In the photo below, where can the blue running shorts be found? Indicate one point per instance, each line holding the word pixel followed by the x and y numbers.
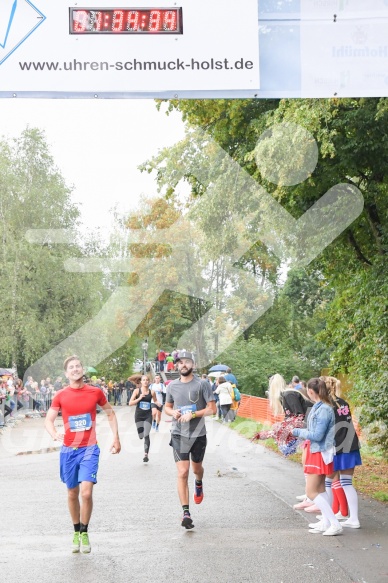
pixel 79 465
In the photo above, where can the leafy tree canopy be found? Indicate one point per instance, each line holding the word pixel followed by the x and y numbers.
pixel 349 278
pixel 41 303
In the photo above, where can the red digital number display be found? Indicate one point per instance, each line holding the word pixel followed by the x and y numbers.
pixel 126 21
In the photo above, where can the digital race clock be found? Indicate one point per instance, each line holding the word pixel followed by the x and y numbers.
pixel 126 21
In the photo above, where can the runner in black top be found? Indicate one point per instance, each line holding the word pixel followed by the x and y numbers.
pixel 142 398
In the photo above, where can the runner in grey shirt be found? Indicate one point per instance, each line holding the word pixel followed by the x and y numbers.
pixel 188 401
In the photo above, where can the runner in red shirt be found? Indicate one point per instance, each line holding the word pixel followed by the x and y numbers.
pixel 162 360
pixel 80 452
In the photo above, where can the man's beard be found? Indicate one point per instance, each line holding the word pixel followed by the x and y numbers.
pixel 186 373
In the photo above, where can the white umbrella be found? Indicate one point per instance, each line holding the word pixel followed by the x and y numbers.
pixel 215 374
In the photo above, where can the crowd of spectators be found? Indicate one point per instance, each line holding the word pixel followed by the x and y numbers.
pixel 165 360
pixel 36 397
pixel 32 396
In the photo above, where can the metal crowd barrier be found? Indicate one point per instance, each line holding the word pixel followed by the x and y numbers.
pixel 2 413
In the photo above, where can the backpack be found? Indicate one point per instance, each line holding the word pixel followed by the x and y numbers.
pixel 237 394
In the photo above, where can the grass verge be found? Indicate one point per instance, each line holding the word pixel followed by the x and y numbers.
pixel 370 479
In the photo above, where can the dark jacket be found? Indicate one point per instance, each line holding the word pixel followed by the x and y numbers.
pixel 294 403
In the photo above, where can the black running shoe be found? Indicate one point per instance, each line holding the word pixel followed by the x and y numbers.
pixel 187 522
pixel 145 458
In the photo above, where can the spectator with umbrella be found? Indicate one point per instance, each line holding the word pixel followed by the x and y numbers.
pixel 219 368
pixel 229 376
pixel 225 391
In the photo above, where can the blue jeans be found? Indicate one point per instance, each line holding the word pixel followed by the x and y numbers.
pixel 225 411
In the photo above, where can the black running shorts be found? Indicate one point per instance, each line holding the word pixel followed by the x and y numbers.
pixel 184 447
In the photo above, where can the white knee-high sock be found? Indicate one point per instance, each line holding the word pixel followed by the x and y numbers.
pixel 322 501
pixel 305 479
pixel 328 482
pixel 351 496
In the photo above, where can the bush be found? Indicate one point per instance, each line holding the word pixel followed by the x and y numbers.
pixel 253 360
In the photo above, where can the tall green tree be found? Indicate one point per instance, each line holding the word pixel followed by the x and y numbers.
pixel 172 312
pixel 254 360
pixel 41 303
pixel 352 142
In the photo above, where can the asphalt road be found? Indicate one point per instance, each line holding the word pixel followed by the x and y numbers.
pixel 245 529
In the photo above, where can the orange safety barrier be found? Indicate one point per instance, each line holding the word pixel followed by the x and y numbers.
pixel 258 409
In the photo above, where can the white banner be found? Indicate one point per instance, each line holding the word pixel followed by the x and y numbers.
pixel 308 48
pixel 343 9
pixel 347 59
pixel 126 52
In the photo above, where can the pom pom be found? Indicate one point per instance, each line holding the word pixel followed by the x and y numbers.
pixel 289 448
pixel 281 432
pixel 262 435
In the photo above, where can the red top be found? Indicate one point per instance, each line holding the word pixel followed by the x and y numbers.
pixel 78 408
pixel 162 355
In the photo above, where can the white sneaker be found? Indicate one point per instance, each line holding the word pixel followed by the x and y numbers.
pixel 340 516
pixel 333 530
pixel 321 526
pixel 349 524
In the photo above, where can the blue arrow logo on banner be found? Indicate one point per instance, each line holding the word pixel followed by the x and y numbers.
pixel 18 20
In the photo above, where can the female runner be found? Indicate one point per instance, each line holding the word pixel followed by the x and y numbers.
pixel 142 397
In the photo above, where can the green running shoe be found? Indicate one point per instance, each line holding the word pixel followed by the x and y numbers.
pixel 76 543
pixel 85 544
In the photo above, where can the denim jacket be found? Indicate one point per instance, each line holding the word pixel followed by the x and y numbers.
pixel 320 428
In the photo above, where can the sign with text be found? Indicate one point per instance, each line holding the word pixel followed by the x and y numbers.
pixel 124 47
pixel 193 48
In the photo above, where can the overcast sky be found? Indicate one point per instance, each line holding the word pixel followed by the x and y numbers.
pixel 97 145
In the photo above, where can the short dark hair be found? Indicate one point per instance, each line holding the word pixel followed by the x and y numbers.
pixel 295 379
pixel 69 359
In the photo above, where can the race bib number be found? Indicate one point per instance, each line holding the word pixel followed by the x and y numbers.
pixel 144 405
pixel 188 409
pixel 80 422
